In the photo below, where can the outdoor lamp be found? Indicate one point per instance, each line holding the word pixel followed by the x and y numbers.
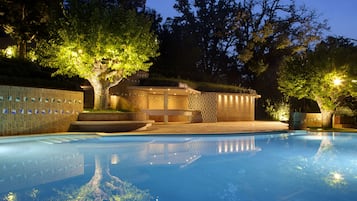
pixel 337 81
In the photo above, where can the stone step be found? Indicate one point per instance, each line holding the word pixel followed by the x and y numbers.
pixel 109 126
pixel 115 116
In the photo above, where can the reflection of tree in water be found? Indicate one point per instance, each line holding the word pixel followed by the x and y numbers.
pixel 104 186
pixel 324 165
pixel 325 151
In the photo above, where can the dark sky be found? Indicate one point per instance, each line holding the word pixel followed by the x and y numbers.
pixel 341 14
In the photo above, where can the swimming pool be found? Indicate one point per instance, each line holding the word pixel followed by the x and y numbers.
pixel 261 167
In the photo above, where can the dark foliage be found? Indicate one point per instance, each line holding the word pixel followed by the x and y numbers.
pixel 23 73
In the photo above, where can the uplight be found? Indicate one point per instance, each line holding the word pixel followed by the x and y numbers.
pixel 337 81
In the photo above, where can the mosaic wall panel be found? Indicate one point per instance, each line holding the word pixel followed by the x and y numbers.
pixel 26 110
pixel 206 102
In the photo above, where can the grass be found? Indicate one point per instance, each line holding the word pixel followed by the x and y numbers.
pixel 103 111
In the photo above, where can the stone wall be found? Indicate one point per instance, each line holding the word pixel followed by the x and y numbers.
pixel 26 110
pixel 305 120
pixel 206 102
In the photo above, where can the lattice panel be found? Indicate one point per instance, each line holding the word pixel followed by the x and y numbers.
pixel 206 102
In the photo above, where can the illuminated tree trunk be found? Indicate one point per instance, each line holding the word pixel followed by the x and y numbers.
pixel 101 94
pixel 326 115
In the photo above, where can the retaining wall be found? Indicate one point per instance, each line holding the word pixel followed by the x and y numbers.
pixel 26 110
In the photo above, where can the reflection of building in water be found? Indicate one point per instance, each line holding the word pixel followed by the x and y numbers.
pixel 185 153
pixel 245 144
pixel 159 153
pixel 39 167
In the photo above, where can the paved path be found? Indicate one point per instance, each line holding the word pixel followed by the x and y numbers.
pixel 212 128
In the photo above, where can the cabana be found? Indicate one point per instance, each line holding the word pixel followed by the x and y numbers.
pixel 182 103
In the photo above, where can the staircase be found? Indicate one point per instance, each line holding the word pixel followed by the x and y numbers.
pixel 110 122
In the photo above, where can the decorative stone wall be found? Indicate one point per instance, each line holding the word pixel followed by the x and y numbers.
pixel 26 110
pixel 206 102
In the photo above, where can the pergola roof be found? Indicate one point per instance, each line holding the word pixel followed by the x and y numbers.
pixel 166 89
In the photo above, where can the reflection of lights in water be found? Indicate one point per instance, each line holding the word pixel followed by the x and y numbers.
pixel 10 197
pixel 114 159
pixel 337 176
pixel 284 136
pixel 317 136
pixel 335 179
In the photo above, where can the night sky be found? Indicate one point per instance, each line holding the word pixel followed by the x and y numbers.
pixel 341 14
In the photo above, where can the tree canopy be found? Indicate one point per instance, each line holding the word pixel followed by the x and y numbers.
pixel 26 21
pixel 326 75
pixel 233 41
pixel 240 43
pixel 101 43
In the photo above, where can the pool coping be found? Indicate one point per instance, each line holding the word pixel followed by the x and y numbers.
pixel 217 128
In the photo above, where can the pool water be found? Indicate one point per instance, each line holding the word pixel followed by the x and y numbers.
pixel 261 167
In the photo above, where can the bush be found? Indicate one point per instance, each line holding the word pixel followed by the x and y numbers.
pixel 278 111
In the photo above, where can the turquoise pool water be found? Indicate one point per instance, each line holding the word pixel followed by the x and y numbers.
pixel 261 167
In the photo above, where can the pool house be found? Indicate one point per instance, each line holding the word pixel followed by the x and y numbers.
pixel 182 103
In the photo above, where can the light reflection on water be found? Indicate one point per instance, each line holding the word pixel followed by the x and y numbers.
pixel 288 166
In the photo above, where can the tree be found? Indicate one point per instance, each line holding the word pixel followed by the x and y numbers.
pixel 237 42
pixel 196 44
pixel 269 32
pixel 325 75
pixel 25 20
pixel 103 44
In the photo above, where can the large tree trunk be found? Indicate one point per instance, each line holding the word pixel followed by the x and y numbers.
pixel 326 115
pixel 101 95
pixel 22 49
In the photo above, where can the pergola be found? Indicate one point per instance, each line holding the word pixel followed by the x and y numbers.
pixel 182 89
